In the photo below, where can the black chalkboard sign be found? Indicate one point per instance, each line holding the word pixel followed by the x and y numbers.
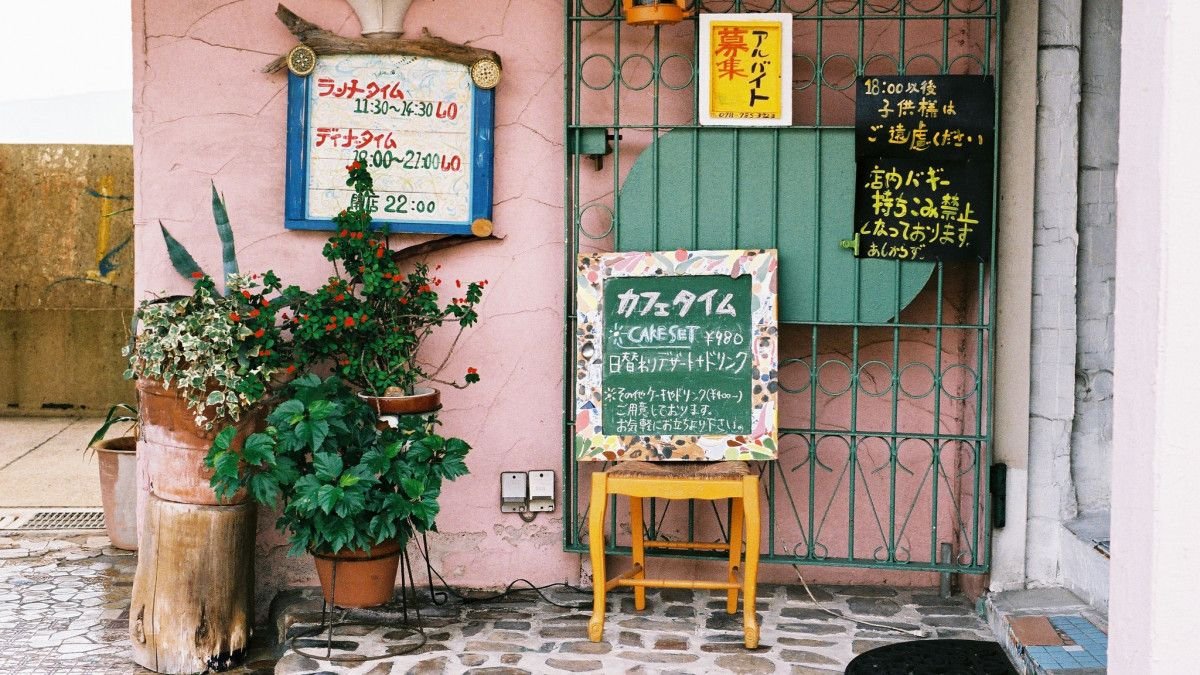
pixel 677 355
pixel 925 148
pixel 676 367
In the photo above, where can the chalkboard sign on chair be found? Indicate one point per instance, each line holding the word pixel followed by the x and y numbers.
pixel 677 356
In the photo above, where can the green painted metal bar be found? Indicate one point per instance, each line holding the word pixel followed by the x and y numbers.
pixel 789 514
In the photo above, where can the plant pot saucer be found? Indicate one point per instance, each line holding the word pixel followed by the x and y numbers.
pixel 423 400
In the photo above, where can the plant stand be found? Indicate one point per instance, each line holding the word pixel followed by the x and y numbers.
pixel 192 609
pixel 372 618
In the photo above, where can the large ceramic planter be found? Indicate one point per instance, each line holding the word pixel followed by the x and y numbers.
pixel 359 578
pixel 117 458
pixel 171 449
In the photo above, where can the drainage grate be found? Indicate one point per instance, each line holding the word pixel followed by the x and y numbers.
pixel 72 519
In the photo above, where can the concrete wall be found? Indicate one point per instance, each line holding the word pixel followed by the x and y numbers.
pixel 1155 473
pixel 66 277
pixel 1099 111
pixel 1070 414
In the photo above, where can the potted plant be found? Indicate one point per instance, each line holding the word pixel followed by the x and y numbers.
pixel 202 359
pixel 117 460
pixel 350 494
pixel 372 316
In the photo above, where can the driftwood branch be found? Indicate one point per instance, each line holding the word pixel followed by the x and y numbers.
pixel 324 42
pixel 439 244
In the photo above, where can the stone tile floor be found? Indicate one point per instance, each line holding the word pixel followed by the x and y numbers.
pixel 64 610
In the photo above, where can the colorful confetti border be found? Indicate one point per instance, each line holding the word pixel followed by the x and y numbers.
pixel 591 444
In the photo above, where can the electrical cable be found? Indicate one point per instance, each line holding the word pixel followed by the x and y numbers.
pixel 508 589
pixel 919 633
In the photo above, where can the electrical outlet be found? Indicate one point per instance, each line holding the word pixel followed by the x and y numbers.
pixel 541 490
pixel 514 492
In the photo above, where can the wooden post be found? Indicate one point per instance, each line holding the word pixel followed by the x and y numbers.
pixel 193 607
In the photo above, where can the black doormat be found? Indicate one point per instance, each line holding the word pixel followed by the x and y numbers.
pixel 933 657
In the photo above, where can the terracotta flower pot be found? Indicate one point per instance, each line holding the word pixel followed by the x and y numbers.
pixel 117 458
pixel 171 449
pixel 364 578
pixel 424 401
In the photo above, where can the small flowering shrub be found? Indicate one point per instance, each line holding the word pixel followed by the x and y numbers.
pixel 370 319
pixel 220 350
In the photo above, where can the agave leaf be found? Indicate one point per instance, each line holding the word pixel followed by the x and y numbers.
pixel 181 260
pixel 221 216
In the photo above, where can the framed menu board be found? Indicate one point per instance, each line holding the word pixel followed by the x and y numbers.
pixel 421 125
pixel 677 355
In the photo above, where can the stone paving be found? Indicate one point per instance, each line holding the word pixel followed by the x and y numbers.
pixel 64 603
pixel 680 632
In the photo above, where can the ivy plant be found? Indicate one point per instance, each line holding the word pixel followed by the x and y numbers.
pixel 341 482
pixel 220 350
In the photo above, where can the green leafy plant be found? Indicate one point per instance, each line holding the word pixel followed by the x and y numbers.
pixel 186 265
pixel 120 413
pixel 370 319
pixel 220 350
pixel 342 483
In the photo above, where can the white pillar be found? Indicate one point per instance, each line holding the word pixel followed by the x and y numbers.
pixel 1155 573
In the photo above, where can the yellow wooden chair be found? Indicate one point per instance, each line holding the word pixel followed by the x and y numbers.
pixel 678 480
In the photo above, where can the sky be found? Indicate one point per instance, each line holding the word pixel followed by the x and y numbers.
pixel 75 88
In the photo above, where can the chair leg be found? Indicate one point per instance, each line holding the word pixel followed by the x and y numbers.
pixel 750 575
pixel 638 543
pixel 735 553
pixel 596 548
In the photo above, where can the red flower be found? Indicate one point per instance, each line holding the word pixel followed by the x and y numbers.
pixel 266 302
pixel 387 275
pixel 339 297
pixel 379 252
pixel 254 312
pixel 291 369
pixel 356 166
pixel 424 288
pixel 344 362
pixel 349 321
pixel 458 283
pixel 246 294
pixel 330 327
pixel 235 317
pixel 404 301
pixel 197 275
pixel 472 371
pixel 264 352
pixel 343 232
pixel 260 332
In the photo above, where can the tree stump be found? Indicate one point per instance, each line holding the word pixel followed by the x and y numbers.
pixel 193 607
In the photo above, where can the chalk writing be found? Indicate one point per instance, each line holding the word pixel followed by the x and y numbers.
pixel 676 355
pixel 925 148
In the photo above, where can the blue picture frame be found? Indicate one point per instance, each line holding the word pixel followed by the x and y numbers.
pixel 296 214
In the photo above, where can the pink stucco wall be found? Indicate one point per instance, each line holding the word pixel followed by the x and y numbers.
pixel 204 111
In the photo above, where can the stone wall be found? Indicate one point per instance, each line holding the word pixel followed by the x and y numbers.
pixel 66 277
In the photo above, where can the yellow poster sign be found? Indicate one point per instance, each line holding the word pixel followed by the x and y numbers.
pixel 746 69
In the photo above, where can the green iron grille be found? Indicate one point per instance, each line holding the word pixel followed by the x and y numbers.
pixel 885 368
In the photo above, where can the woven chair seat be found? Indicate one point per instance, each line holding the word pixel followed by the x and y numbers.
pixel 710 470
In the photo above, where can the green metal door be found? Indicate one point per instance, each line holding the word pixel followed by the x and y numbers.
pixel 885 372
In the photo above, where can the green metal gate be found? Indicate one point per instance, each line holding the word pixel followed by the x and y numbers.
pixel 885 367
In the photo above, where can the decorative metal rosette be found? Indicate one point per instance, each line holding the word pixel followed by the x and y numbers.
pixel 302 60
pixel 485 73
